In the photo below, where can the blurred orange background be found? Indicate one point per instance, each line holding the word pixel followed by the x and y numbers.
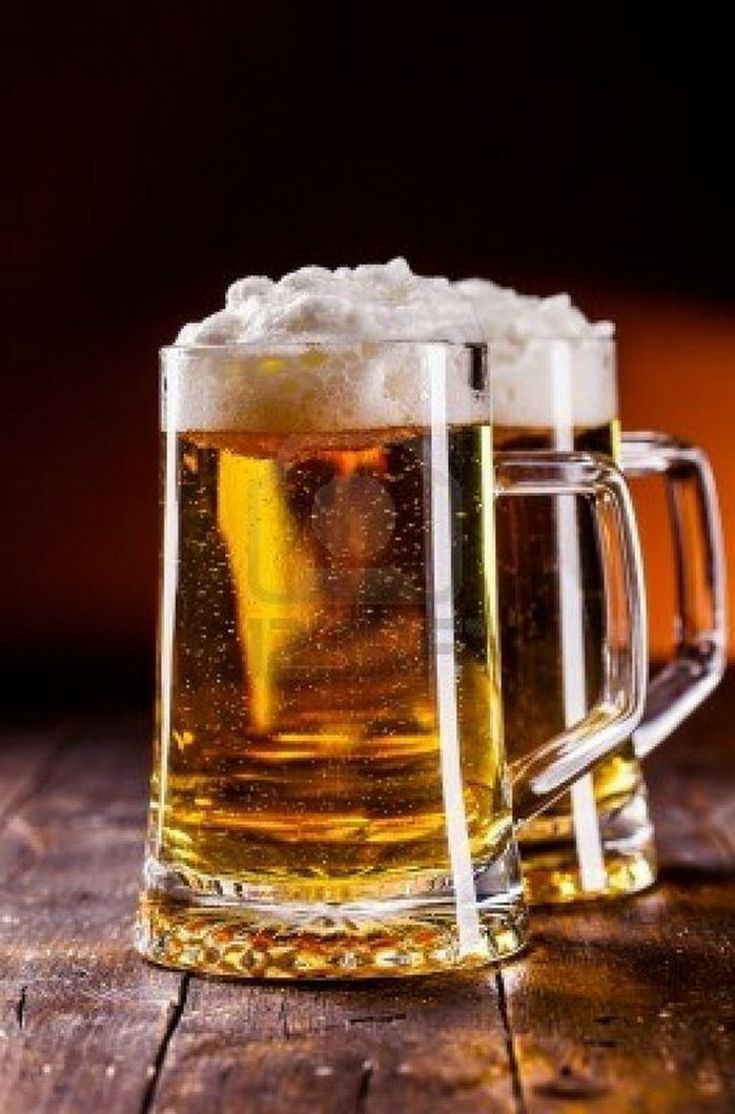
pixel 676 365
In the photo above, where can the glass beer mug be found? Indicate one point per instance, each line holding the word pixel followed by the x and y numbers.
pixel 562 394
pixel 330 794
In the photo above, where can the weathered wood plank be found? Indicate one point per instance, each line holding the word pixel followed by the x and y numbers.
pixel 618 1007
pixel 82 1019
pixel 431 1045
pixel 628 1006
pixel 25 757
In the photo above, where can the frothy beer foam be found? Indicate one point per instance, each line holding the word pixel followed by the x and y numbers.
pixel 305 353
pixel 550 367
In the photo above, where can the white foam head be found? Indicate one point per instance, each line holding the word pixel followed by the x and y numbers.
pixel 370 302
pixel 550 367
pixel 307 352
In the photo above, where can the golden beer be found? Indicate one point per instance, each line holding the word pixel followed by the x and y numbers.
pixel 533 682
pixel 303 757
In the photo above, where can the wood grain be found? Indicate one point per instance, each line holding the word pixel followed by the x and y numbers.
pixel 617 1007
pixel 82 1018
pixel 430 1044
pixel 629 1006
pixel 26 760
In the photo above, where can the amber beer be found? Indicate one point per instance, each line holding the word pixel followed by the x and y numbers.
pixel 303 754
pixel 598 839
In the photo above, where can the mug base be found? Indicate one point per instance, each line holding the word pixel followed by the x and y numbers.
pixel 357 941
pixel 549 854
pixel 559 880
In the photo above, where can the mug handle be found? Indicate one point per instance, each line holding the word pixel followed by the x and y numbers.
pixel 539 778
pixel 700 625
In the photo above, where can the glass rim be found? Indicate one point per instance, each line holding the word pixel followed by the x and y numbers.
pixel 293 345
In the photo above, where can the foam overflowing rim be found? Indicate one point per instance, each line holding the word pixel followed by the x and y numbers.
pixel 345 343
pixel 319 384
pixel 299 345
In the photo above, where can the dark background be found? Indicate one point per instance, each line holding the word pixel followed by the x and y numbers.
pixel 154 152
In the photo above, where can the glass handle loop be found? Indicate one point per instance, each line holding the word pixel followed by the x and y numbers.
pixel 539 778
pixel 700 625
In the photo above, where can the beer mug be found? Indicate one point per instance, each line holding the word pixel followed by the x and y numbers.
pixel 562 394
pixel 330 794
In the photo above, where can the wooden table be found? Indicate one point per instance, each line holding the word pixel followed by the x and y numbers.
pixel 624 1006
